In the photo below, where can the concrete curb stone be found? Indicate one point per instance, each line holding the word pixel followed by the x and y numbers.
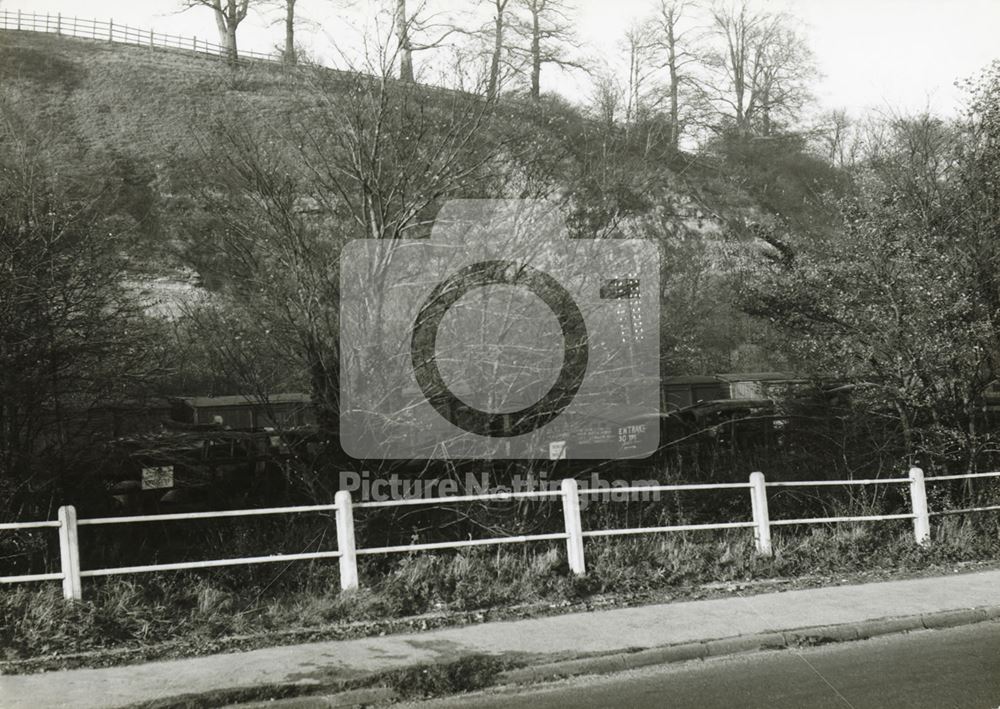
pixel 662 655
pixel 748 643
pixel 888 626
pixel 372 696
pixel 742 643
pixel 823 634
pixel 948 619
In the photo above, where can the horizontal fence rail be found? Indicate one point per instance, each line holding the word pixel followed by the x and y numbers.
pixel 270 559
pixel 967 476
pixel 28 525
pixel 822 483
pixel 569 494
pixel 495 496
pixel 668 528
pixel 173 516
pixel 830 520
pixel 117 33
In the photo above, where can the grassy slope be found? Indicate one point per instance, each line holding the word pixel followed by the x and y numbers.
pixel 122 100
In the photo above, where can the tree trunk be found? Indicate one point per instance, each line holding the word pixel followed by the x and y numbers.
pixel 741 117
pixel 289 56
pixel 494 84
pixel 231 43
pixel 536 55
pixel 907 430
pixel 675 121
pixel 405 48
pixel 765 112
pixel 632 104
pixel 227 38
pixel 227 19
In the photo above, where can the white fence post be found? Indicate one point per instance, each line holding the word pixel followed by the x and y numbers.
pixel 69 554
pixel 761 517
pixel 918 500
pixel 345 541
pixel 574 528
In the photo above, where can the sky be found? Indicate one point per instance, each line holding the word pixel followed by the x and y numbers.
pixel 888 55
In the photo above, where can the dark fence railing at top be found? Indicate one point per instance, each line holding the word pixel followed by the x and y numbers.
pixel 110 31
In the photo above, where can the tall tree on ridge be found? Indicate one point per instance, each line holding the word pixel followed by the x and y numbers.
pixel 289 55
pixel 675 41
pixel 410 23
pixel 228 16
pixel 758 68
pixel 546 27
pixel 499 27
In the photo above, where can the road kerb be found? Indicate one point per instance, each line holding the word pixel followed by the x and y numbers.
pixel 889 626
pixel 823 634
pixel 949 619
pixel 720 647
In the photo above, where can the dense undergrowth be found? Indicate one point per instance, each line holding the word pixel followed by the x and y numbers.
pixel 199 609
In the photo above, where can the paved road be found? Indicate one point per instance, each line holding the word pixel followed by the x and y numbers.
pixel 958 668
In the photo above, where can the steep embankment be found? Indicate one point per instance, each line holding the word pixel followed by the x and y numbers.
pixel 153 104
pixel 147 115
pixel 137 116
pixel 120 98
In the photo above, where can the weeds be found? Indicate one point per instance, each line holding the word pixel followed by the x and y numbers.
pixel 466 674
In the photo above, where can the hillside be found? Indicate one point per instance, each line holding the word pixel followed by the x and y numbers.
pixel 152 103
pixel 118 97
pixel 149 119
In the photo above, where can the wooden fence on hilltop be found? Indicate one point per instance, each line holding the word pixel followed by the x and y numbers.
pixel 117 33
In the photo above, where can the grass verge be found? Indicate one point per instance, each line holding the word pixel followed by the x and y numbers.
pixel 124 620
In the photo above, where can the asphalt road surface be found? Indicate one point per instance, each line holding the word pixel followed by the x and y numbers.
pixel 938 669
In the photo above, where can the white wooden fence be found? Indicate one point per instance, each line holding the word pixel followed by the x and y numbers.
pixel 110 31
pixel 70 573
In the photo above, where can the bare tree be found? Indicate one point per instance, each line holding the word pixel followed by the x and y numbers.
pixel 623 95
pixel 786 68
pixel 606 98
pixel 402 21
pixel 72 334
pixel 676 39
pixel 489 55
pixel 839 138
pixel 370 160
pixel 228 16
pixel 411 23
pixel 758 68
pixel 499 8
pixel 639 45
pixel 289 55
pixel 291 19
pixel 548 30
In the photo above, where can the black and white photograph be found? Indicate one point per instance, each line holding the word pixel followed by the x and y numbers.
pixel 489 354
